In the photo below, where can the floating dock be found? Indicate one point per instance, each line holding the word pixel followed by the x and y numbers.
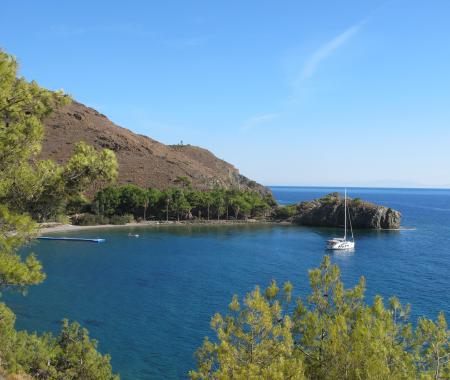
pixel 71 239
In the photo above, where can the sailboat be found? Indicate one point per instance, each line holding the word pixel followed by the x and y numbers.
pixel 343 243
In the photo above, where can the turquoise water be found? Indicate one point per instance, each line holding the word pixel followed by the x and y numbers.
pixel 149 300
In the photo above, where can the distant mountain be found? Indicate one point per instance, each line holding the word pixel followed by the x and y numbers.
pixel 142 160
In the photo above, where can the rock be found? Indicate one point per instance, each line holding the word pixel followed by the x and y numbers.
pixel 329 212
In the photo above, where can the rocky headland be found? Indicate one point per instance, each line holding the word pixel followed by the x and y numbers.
pixel 329 212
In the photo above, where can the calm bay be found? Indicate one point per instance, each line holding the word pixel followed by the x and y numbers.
pixel 149 300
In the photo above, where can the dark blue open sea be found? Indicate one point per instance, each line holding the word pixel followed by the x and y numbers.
pixel 149 300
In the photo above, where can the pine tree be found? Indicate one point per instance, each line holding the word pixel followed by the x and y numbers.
pixel 332 335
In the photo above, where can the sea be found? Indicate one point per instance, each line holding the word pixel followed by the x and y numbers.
pixel 149 300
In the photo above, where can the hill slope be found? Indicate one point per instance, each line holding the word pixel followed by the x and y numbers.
pixel 142 160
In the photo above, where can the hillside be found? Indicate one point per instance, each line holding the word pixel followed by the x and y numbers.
pixel 142 160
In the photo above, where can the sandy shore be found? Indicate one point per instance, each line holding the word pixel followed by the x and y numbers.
pixel 55 227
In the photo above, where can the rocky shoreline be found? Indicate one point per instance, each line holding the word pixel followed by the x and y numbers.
pixel 328 211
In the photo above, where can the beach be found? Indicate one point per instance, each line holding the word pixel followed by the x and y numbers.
pixel 58 227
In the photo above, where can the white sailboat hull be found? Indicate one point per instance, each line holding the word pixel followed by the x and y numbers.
pixel 340 244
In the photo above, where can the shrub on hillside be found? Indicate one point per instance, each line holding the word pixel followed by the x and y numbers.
pixel 91 220
pixel 121 219
pixel 285 212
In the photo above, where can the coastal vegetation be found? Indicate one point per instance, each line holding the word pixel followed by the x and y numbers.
pixel 116 204
pixel 31 188
pixel 333 334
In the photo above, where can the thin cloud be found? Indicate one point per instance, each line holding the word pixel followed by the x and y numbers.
pixel 327 49
pixel 258 120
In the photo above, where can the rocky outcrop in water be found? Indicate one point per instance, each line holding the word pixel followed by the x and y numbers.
pixel 329 212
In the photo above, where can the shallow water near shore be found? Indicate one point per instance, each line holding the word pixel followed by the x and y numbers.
pixel 149 300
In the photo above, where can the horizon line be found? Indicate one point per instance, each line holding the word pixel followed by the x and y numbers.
pixel 361 187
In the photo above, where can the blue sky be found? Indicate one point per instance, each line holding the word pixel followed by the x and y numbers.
pixel 352 93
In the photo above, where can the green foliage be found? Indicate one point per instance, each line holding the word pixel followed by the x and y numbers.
pixel 41 189
pixel 131 199
pixel 240 205
pixel 91 220
pixel 183 182
pixel 15 272
pixel 285 212
pixel 333 335
pixel 44 188
pixel 218 197
pixel 195 200
pixel 331 198
pixel 432 345
pixel 121 219
pixel 22 107
pixel 37 189
pixel 77 204
pixel 71 355
pixel 87 166
pixel 178 203
pixel 107 201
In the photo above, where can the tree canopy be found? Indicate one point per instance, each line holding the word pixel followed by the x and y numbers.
pixel 333 334
pixel 33 189
pixel 178 203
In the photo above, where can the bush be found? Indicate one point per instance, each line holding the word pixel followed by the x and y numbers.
pixel 62 218
pixel 357 201
pixel 331 198
pixel 71 355
pixel 91 220
pixel 285 212
pixel 121 219
pixel 77 204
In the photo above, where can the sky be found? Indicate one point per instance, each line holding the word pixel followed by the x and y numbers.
pixel 329 93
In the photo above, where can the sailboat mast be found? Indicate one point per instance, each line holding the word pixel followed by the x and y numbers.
pixel 345 214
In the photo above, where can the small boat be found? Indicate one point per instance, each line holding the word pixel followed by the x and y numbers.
pixel 343 243
pixel 133 235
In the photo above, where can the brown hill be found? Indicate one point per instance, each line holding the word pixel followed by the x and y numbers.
pixel 142 160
